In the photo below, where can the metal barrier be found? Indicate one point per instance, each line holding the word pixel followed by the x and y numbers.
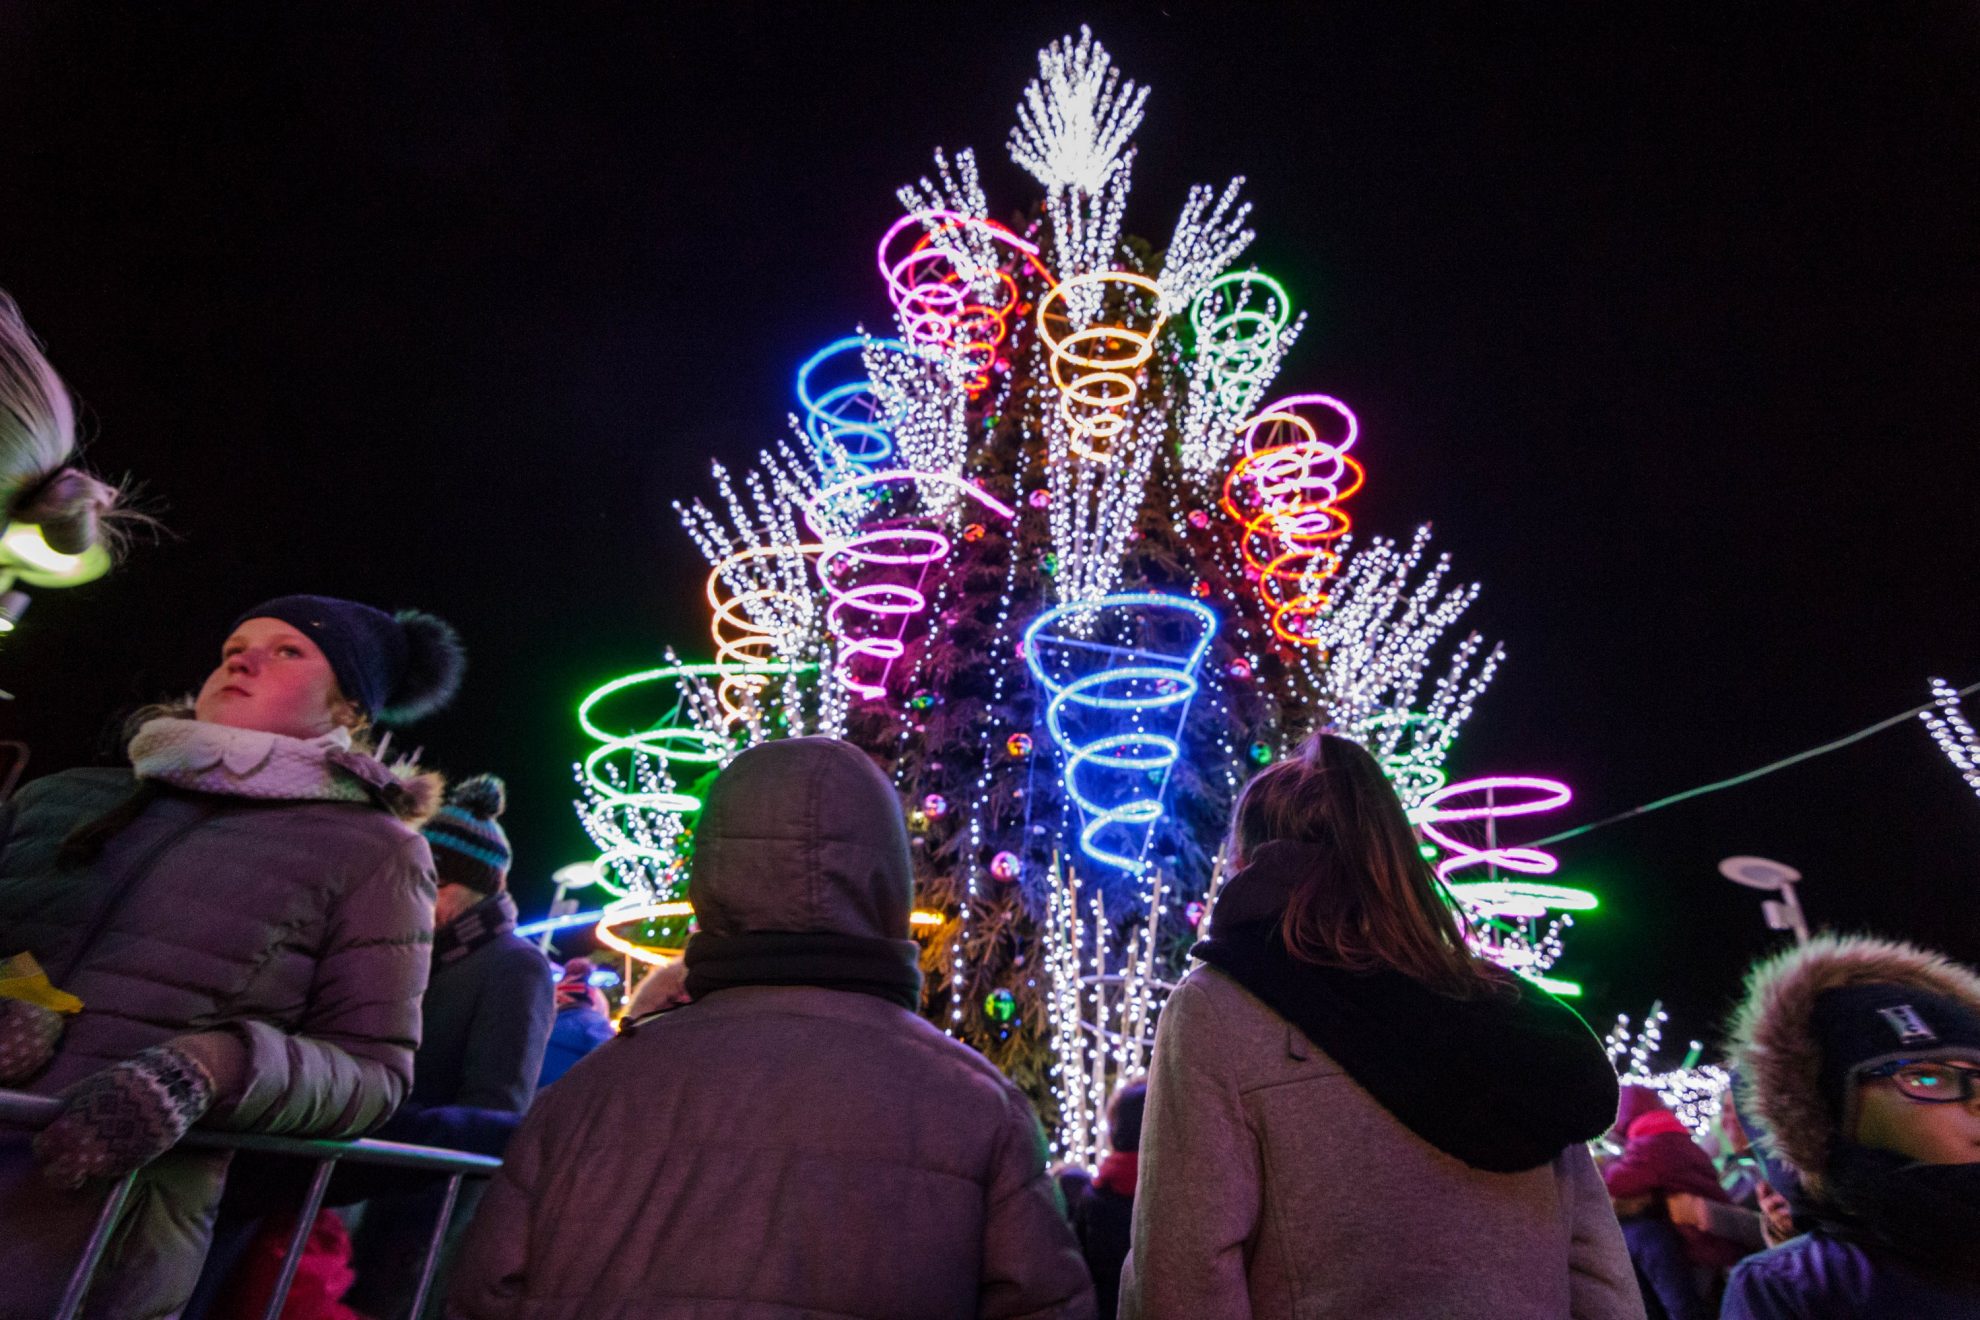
pixel 21 1109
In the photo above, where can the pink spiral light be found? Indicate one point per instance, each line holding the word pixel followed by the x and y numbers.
pixel 1491 805
pixel 946 298
pixel 869 609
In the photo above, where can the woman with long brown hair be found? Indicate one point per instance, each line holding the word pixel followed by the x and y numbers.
pixel 1352 1114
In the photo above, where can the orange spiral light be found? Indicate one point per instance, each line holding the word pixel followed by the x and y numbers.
pixel 1287 491
pixel 741 639
pixel 1098 367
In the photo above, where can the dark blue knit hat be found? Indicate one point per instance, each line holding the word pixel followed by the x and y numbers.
pixel 397 667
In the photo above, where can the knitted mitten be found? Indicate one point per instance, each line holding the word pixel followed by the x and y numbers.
pixel 28 1033
pixel 125 1116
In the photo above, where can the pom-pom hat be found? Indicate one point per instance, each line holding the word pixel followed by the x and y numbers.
pixel 398 667
pixel 469 846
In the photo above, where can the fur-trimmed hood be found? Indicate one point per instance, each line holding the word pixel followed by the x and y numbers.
pixel 1774 1045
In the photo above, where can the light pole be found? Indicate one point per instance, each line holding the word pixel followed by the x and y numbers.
pixel 1783 913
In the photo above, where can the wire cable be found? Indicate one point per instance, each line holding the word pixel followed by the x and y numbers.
pixel 1750 775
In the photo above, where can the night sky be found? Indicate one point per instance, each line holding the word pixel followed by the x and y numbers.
pixel 1668 324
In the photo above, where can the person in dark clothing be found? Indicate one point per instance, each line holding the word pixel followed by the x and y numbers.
pixel 795 1139
pixel 582 1024
pixel 1860 1060
pixel 1103 1215
pixel 1661 1161
pixel 485 1019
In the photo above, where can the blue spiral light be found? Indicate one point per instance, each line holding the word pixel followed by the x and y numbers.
pixel 838 402
pixel 1101 697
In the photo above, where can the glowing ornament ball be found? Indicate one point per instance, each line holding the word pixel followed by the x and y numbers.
pixel 1007 867
pixel 1000 1005
pixel 935 805
pixel 1018 744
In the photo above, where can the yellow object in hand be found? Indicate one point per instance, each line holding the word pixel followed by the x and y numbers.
pixel 21 977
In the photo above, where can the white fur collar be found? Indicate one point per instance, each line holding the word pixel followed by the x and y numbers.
pixel 216 758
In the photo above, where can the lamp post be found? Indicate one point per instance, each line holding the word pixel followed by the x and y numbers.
pixel 1783 913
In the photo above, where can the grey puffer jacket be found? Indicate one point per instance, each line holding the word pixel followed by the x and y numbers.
pixel 780 1150
pixel 304 926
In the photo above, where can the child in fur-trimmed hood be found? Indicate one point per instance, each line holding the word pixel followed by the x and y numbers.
pixel 1861 1058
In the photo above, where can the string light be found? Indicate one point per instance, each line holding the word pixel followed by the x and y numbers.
pixel 1101 1019
pixel 1952 733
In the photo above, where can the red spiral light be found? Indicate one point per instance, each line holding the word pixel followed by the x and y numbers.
pixel 1287 491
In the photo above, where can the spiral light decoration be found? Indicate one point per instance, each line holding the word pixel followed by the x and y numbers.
pixel 744 646
pixel 947 297
pixel 1238 319
pixel 864 603
pixel 1100 698
pixel 1501 906
pixel 651 762
pixel 839 409
pixel 1097 368
pixel 1287 491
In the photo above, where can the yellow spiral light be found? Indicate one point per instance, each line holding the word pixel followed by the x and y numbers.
pixel 1097 368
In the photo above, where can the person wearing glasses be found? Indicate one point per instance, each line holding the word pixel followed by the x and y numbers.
pixel 1861 1059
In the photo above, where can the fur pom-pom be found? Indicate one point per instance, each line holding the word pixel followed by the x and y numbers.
pixel 435 662
pixel 483 796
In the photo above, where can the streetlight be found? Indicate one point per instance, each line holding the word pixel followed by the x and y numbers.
pixel 1768 876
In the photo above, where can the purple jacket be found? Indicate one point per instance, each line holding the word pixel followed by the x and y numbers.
pixel 1819 1276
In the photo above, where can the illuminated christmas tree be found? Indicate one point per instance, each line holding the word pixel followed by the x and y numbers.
pixel 1054 552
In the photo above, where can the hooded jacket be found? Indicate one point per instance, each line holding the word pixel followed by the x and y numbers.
pixel 302 925
pixel 1849 1263
pixel 1403 1176
pixel 780 1149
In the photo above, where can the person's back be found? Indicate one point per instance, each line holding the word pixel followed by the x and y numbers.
pixel 1349 1116
pixel 1356 1215
pixel 795 1140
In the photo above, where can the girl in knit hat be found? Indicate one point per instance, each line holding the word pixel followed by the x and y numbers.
pixel 1860 1058
pixel 235 931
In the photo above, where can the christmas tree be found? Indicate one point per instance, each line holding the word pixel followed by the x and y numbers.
pixel 1054 555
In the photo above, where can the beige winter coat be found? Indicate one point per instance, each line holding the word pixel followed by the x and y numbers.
pixel 1272 1185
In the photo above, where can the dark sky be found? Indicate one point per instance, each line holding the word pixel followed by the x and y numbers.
pixel 1669 324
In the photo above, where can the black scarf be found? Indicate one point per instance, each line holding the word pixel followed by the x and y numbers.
pixel 867 965
pixel 492 917
pixel 1504 1081
pixel 1927 1214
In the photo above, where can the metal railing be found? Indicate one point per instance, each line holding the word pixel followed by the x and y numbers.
pixel 23 1110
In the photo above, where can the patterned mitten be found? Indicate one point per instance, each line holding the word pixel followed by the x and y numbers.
pixel 28 1033
pixel 124 1117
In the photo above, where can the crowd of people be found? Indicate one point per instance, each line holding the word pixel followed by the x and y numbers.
pixel 261 926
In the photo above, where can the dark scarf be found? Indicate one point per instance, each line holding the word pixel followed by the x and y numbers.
pixel 867 965
pixel 1927 1214
pixel 489 919
pixel 1504 1081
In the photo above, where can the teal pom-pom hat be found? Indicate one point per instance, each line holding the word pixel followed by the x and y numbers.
pixel 469 847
